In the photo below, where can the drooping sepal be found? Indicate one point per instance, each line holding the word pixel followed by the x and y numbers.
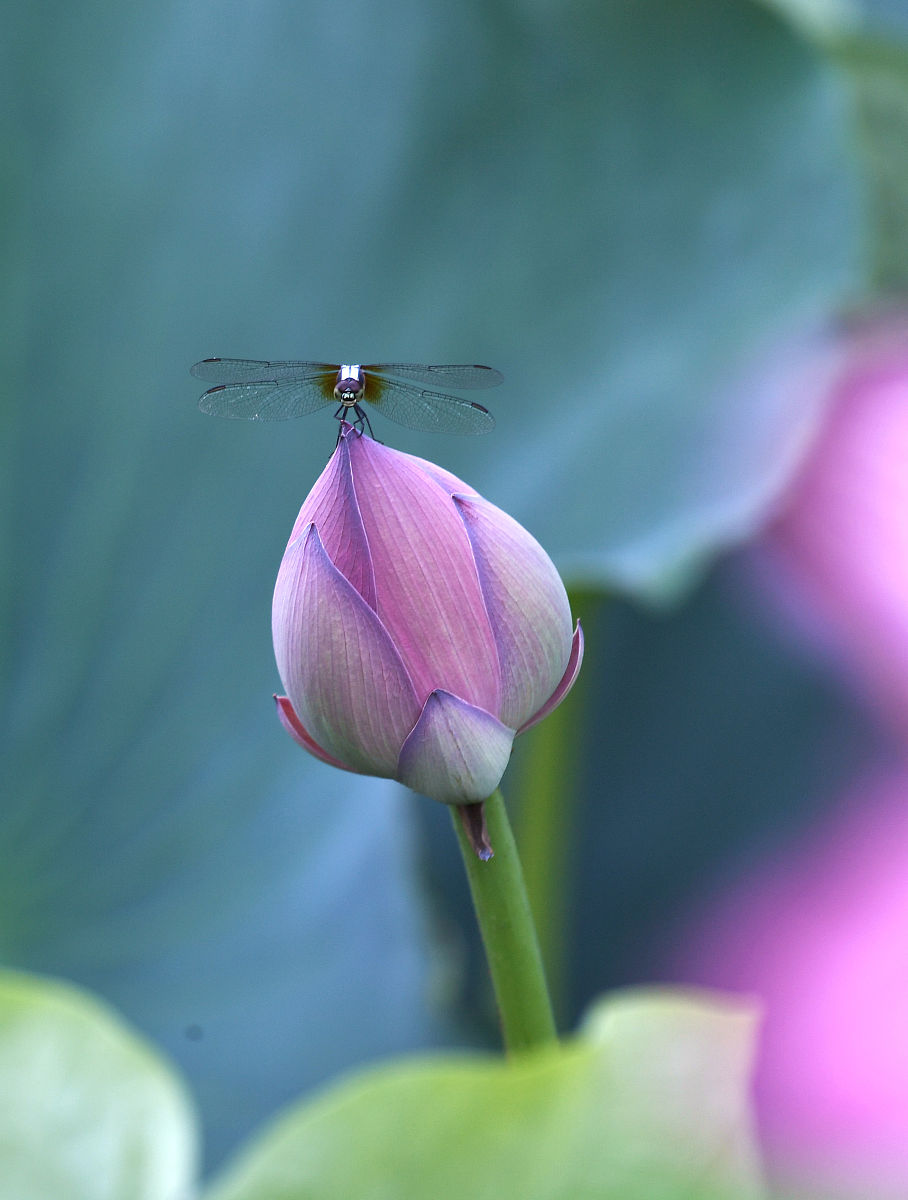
pixel 456 753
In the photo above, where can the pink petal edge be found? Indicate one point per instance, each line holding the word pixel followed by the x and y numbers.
pixel 294 726
pixel 332 507
pixel 568 679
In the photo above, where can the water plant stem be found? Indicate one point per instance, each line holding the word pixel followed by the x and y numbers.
pixel 508 932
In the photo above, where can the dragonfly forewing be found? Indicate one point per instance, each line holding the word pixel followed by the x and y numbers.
pixel 252 370
pixel 271 400
pixel 466 376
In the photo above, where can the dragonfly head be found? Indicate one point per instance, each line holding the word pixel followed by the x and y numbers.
pixel 350 385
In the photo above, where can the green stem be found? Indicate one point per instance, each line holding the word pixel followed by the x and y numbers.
pixel 508 932
pixel 547 765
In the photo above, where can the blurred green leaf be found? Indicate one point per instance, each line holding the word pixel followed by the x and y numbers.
pixel 820 18
pixel 690 210
pixel 869 39
pixel 621 210
pixel 834 18
pixel 879 72
pixel 648 1102
pixel 89 1111
pixel 265 938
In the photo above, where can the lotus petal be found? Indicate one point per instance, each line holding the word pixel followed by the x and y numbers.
pixel 567 681
pixel 332 508
pixel 527 605
pixel 457 753
pixel 426 583
pixel 339 667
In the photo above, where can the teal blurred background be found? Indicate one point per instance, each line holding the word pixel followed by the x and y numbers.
pixel 628 209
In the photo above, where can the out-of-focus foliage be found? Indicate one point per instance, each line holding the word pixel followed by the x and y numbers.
pixel 868 39
pixel 89 1111
pixel 879 71
pixel 619 205
pixel 648 1103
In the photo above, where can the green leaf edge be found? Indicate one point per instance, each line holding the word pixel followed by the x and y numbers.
pixel 624 1018
pixel 40 994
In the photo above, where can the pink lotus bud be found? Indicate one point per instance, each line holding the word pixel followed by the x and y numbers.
pixel 417 628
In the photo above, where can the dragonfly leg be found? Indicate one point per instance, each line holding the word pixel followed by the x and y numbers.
pixel 362 422
pixel 340 415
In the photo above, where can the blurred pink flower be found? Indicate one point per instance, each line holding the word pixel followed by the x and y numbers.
pixel 820 934
pixel 417 628
pixel 838 552
pixel 820 931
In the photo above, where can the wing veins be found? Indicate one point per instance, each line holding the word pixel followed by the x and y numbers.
pixel 421 409
pixel 267 400
pixel 463 376
pixel 250 370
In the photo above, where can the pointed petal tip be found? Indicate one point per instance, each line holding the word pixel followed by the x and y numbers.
pixel 568 679
pixel 294 726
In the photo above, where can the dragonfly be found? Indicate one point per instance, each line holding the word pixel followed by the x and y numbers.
pixel 405 392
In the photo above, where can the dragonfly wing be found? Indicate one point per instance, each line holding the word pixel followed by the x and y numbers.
pixel 454 375
pixel 415 408
pixel 251 370
pixel 269 400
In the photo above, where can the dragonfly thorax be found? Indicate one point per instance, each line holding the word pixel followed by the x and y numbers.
pixel 351 383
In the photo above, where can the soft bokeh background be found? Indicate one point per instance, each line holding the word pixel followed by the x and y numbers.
pixel 650 216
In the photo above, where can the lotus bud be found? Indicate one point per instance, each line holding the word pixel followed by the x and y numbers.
pixel 417 628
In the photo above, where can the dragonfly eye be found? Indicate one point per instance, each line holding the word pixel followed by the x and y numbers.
pixel 348 390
